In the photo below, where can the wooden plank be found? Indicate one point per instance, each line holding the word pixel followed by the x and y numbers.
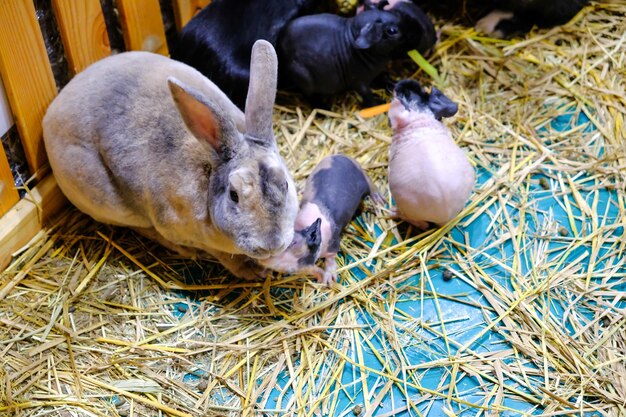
pixel 28 217
pixel 142 25
pixel 83 32
pixel 27 76
pixel 6 118
pixel 8 193
pixel 184 10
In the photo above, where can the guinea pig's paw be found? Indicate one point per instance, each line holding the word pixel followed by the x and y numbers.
pixel 330 271
pixel 489 24
pixel 318 273
pixel 243 266
pixel 420 224
pixel 328 278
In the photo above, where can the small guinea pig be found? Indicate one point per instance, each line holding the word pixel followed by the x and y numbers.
pixel 430 177
pixel 346 53
pixel 332 195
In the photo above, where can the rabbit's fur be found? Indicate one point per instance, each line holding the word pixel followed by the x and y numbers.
pixel 143 141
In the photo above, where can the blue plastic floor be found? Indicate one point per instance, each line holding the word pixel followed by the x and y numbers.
pixel 465 323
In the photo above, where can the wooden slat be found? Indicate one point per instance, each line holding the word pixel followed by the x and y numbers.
pixel 6 118
pixel 28 217
pixel 83 32
pixel 142 25
pixel 8 193
pixel 26 74
pixel 184 10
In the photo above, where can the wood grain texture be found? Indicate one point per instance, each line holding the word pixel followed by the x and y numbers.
pixel 27 76
pixel 142 25
pixel 83 32
pixel 184 10
pixel 27 218
pixel 8 194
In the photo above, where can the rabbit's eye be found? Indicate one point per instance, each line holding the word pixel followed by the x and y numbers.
pixel 234 196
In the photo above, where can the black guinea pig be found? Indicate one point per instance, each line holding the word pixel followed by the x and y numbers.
pixel 218 40
pixel 506 18
pixel 325 54
pixel 509 18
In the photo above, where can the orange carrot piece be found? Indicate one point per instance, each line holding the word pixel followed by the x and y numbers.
pixel 374 111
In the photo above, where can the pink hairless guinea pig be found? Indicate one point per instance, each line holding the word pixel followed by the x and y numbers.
pixel 332 195
pixel 430 177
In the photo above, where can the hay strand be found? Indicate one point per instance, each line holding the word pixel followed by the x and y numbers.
pixel 516 306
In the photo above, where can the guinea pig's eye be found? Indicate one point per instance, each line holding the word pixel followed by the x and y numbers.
pixel 286 185
pixel 391 31
pixel 234 196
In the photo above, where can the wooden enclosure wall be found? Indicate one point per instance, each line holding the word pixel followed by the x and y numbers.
pixel 27 76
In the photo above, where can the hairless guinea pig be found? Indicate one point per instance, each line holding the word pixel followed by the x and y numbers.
pixel 324 54
pixel 430 177
pixel 332 195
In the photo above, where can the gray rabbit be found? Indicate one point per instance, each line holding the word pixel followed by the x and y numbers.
pixel 143 141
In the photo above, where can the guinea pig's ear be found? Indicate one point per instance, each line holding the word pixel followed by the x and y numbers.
pixel 313 235
pixel 440 105
pixel 204 118
pixel 410 93
pixel 369 35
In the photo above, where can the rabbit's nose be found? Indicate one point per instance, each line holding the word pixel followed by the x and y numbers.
pixel 275 246
pixel 270 247
pixel 262 254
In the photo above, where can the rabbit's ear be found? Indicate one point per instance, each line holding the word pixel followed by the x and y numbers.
pixel 261 92
pixel 204 118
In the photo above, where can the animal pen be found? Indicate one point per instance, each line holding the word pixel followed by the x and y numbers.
pixel 516 307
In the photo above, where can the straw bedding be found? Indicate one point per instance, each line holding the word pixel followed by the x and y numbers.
pixel 518 304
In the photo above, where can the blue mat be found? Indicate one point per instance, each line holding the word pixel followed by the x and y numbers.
pixel 466 313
